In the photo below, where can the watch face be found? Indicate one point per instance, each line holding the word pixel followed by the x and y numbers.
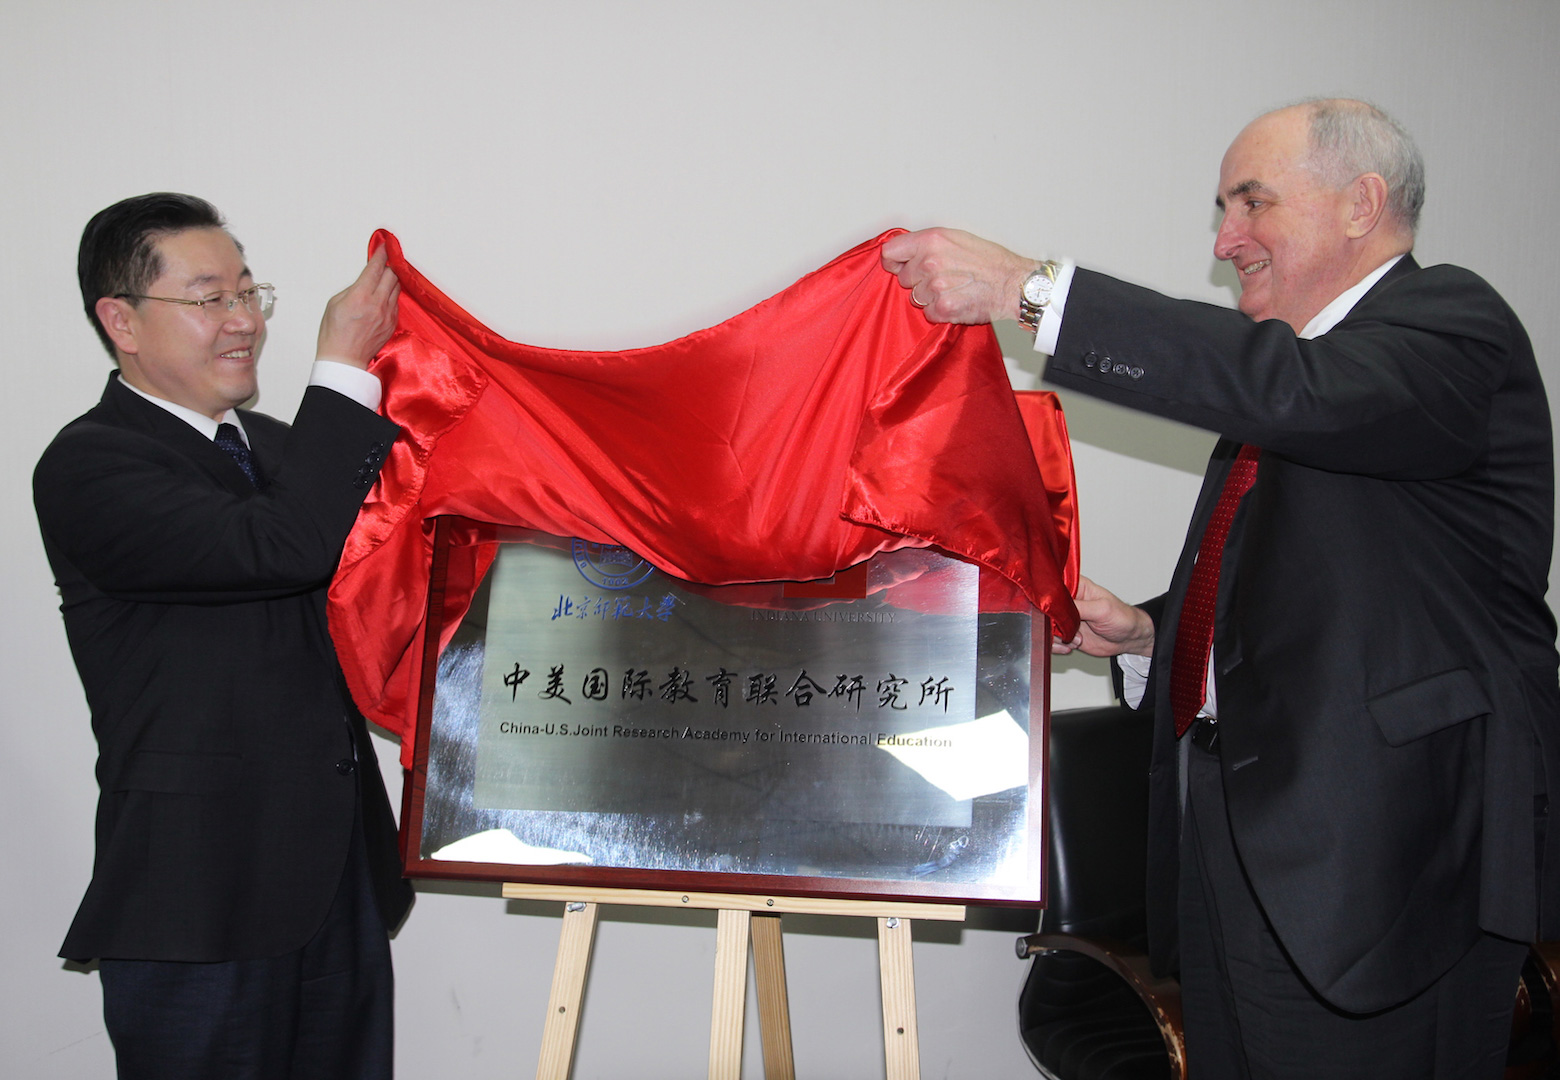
pixel 1037 288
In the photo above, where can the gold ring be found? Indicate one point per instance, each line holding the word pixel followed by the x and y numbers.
pixel 914 301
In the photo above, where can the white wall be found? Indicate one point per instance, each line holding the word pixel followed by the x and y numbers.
pixel 607 175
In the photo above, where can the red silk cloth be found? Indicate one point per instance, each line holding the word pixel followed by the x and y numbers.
pixel 827 424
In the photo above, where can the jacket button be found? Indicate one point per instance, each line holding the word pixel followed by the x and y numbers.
pixel 345 766
pixel 1089 360
pixel 1135 372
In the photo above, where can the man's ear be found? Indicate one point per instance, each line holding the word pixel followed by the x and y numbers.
pixel 1370 203
pixel 115 315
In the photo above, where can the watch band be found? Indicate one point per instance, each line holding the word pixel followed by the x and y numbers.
pixel 1034 296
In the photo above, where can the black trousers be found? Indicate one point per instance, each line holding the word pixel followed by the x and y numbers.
pixel 1250 1016
pixel 322 1012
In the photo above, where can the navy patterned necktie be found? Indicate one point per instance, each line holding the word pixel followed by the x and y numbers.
pixel 1194 635
pixel 229 439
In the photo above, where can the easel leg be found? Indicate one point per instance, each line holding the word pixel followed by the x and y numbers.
pixel 731 953
pixel 734 932
pixel 774 1006
pixel 901 1044
pixel 568 991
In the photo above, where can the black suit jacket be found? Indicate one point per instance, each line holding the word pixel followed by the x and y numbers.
pixel 231 763
pixel 1385 661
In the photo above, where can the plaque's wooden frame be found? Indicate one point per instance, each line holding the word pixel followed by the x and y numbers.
pixel 414 792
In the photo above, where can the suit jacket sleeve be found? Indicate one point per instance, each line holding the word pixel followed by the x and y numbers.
pixel 206 543
pixel 1401 390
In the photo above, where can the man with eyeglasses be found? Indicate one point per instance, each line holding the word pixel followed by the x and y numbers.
pixel 246 874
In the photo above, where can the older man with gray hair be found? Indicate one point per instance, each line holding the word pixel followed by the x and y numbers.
pixel 1353 672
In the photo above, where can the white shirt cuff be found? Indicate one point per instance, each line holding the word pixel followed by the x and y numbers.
pixel 1134 677
pixel 347 380
pixel 1051 320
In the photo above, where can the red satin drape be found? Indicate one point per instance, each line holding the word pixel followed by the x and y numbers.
pixel 827 424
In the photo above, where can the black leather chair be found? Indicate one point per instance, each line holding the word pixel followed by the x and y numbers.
pixel 1534 1052
pixel 1090 1008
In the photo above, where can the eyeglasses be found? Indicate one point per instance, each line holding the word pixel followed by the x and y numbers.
pixel 257 300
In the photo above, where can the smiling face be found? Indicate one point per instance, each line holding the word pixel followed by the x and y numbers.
pixel 178 352
pixel 1284 229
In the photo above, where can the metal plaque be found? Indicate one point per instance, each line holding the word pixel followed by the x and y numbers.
pixel 595 720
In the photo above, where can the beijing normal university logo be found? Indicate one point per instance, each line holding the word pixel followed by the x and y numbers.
pixel 609 566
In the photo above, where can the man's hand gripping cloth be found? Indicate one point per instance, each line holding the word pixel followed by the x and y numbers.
pixel 827 424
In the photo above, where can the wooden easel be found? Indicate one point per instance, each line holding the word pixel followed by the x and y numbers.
pixel 735 926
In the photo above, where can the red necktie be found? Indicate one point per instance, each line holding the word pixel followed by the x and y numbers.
pixel 1194 633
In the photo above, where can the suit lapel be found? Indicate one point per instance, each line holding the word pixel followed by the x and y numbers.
pixel 266 439
pixel 125 408
pixel 1405 266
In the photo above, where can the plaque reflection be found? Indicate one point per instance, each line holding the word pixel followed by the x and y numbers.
pixel 593 711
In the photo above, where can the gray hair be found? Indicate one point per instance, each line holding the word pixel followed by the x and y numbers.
pixel 1351 138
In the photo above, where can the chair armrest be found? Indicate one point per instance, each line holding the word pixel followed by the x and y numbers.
pixel 1547 955
pixel 1162 996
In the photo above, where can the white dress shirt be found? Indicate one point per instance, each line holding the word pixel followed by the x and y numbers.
pixel 346 379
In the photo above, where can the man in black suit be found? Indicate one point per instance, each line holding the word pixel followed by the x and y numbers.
pixel 246 873
pixel 1347 849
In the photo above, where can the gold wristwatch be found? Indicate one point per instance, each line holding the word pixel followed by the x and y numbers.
pixel 1035 295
